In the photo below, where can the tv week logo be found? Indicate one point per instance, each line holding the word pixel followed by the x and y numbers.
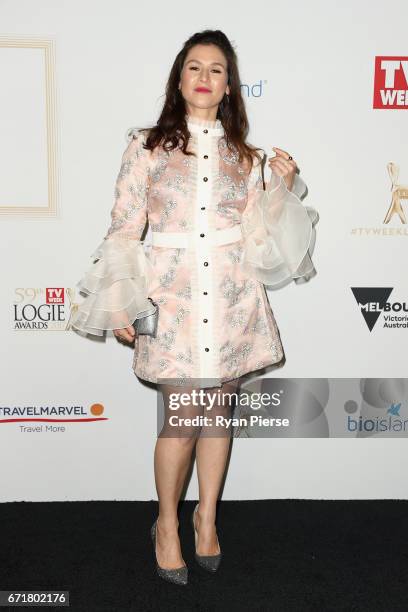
pixel 54 295
pixel 391 82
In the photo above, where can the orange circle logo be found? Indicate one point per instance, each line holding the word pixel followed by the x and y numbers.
pixel 97 409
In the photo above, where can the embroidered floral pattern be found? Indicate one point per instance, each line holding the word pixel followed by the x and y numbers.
pixel 184 292
pixel 177 183
pixel 234 292
pixel 259 326
pixel 159 169
pixel 169 206
pixel 185 357
pixel 235 254
pixel 238 318
pixel 233 356
pixel 167 339
pixel 228 156
pixel 180 315
pixel 166 188
pixel 168 277
pixel 231 190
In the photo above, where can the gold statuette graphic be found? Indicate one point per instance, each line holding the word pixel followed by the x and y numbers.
pixel 74 306
pixel 398 193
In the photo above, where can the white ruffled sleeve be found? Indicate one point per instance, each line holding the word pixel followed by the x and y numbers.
pixel 278 230
pixel 115 285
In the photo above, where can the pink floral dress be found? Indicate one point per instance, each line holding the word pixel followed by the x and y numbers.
pixel 217 237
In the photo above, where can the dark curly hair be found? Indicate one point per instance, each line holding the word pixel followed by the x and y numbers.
pixel 171 127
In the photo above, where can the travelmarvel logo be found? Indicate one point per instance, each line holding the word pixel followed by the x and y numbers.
pixel 390 82
pixel 52 413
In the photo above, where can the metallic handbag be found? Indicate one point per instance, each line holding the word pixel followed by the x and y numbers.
pixel 148 325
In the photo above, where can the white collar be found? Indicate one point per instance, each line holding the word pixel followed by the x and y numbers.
pixel 196 125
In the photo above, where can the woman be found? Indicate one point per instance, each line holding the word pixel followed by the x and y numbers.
pixel 217 238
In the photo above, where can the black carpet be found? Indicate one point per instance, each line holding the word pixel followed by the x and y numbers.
pixel 278 555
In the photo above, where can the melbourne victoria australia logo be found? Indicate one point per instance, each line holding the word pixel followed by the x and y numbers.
pixel 373 303
pixel 42 309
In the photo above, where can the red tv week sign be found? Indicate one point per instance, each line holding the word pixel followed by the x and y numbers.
pixel 54 295
pixel 391 82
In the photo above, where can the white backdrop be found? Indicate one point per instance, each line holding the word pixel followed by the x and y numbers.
pixel 313 63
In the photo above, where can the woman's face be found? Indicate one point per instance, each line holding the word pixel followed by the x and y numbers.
pixel 204 78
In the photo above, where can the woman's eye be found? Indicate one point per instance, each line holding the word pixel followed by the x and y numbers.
pixel 196 68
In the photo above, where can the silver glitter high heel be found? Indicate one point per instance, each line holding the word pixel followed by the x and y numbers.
pixel 208 562
pixel 178 575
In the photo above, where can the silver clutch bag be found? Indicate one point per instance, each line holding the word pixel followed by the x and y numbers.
pixel 148 325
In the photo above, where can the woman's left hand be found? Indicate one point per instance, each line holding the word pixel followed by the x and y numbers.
pixel 283 166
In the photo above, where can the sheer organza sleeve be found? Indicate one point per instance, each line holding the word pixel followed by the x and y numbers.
pixel 278 230
pixel 115 285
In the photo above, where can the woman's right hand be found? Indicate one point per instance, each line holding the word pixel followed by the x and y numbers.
pixel 125 334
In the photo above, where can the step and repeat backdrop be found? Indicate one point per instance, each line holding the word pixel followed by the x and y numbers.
pixel 327 82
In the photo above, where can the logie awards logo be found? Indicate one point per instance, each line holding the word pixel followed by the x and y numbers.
pixel 394 213
pixel 43 308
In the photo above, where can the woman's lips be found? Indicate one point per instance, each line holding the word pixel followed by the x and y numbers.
pixel 202 90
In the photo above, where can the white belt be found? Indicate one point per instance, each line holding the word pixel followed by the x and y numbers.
pixel 186 239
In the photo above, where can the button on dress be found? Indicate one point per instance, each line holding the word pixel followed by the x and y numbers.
pixel 217 238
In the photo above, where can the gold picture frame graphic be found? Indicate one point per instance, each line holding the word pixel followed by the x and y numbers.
pixel 50 207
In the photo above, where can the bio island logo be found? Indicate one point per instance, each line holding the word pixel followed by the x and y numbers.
pixel 49 418
pixel 375 424
pixel 373 302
